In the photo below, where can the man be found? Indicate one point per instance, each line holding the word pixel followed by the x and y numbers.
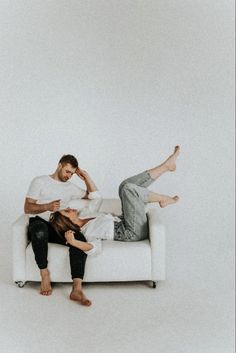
pixel 49 193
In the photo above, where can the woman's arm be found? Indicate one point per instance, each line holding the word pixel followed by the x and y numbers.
pixel 70 239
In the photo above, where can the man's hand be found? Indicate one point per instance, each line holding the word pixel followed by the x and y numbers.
pixel 54 206
pixel 82 174
pixel 69 235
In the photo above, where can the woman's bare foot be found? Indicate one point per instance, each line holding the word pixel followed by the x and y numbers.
pixel 79 296
pixel 171 161
pixel 45 287
pixel 167 200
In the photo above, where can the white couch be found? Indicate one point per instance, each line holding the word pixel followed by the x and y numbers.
pixel 119 261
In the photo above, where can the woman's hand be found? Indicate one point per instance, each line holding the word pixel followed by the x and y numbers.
pixel 69 235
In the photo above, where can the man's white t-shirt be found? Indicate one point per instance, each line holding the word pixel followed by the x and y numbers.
pixel 45 189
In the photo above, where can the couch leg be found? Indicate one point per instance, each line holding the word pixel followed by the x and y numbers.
pixel 154 284
pixel 20 284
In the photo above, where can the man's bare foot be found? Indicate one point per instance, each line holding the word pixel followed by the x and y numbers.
pixel 45 287
pixel 171 161
pixel 167 200
pixel 79 296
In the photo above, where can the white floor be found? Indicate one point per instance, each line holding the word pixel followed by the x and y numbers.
pixel 189 316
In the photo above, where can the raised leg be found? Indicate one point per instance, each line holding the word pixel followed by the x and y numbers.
pixel 133 226
pixel 169 165
pixel 163 200
pixel 146 178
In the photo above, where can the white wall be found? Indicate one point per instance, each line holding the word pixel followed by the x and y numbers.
pixel 119 83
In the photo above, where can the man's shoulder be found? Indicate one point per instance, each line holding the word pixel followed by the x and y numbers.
pixel 40 178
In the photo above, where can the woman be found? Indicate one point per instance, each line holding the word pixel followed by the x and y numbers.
pixel 130 226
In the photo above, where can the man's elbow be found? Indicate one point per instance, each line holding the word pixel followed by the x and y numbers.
pixel 26 208
pixel 95 195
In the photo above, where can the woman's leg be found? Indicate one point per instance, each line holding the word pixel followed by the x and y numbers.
pixel 143 179
pixel 134 195
pixel 147 177
pixel 169 165
pixel 163 200
pixel 133 226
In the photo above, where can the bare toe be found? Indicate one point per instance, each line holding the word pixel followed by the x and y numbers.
pixel 177 149
pixel 45 288
pixel 86 302
pixel 171 161
pixel 80 297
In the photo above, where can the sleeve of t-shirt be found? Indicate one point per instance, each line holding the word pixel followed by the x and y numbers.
pixel 34 189
pixel 78 193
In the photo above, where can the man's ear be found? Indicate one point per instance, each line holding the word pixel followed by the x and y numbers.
pixel 59 167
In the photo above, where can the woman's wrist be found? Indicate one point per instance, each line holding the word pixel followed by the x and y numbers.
pixel 73 242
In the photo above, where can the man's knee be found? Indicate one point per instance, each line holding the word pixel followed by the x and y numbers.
pixel 38 231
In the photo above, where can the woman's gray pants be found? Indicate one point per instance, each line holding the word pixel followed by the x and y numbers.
pixel 133 195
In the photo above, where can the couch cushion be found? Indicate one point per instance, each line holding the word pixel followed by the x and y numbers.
pixel 118 261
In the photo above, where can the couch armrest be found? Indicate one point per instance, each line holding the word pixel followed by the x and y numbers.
pixel 157 241
pixel 19 244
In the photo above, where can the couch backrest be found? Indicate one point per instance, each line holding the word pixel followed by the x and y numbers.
pixel 114 206
pixel 108 205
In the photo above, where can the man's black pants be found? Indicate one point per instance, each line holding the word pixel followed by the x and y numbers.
pixel 41 232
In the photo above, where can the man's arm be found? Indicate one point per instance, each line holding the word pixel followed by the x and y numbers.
pixel 32 207
pixel 82 174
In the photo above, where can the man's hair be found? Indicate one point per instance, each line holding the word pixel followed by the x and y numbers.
pixel 68 158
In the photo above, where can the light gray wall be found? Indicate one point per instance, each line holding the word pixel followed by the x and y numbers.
pixel 118 84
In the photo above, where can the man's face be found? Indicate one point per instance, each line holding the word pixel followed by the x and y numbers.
pixel 65 172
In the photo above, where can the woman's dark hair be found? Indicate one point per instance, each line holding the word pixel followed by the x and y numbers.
pixel 61 223
pixel 69 159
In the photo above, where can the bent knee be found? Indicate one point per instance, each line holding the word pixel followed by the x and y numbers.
pixel 125 185
pixel 122 184
pixel 38 231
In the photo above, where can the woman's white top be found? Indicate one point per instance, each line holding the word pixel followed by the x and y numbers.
pixel 97 229
pixel 101 227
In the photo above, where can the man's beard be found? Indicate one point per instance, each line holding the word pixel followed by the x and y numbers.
pixel 63 179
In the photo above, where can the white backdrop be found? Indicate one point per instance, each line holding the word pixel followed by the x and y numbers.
pixel 119 83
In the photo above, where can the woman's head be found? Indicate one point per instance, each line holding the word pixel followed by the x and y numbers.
pixel 62 221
